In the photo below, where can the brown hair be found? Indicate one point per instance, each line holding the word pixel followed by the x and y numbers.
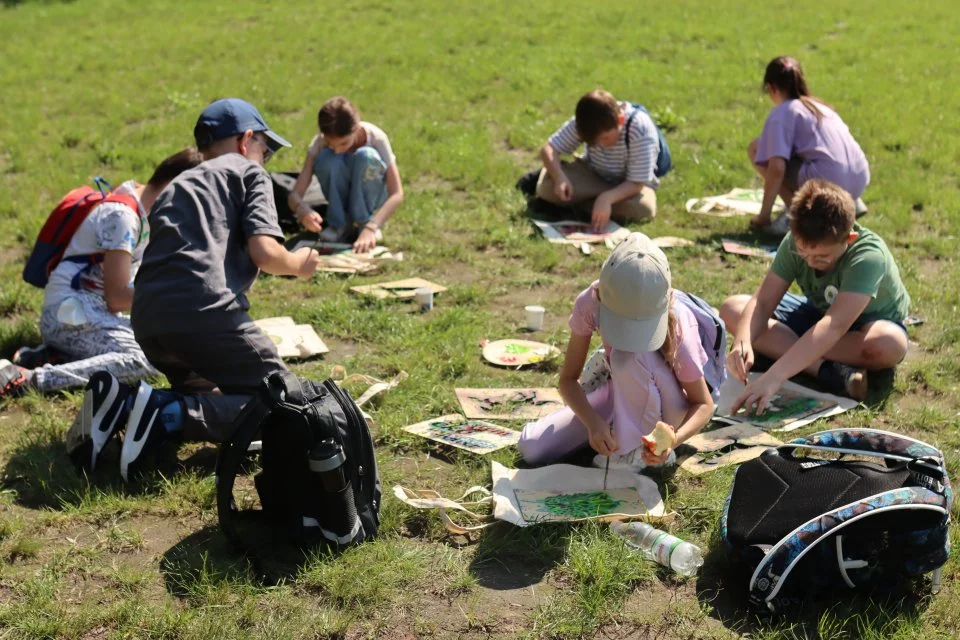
pixel 173 166
pixel 784 73
pixel 337 117
pixel 596 113
pixel 671 342
pixel 821 212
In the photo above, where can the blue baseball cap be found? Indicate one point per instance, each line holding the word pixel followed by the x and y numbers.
pixel 231 117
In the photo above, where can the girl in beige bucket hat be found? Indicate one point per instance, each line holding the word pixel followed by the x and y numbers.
pixel 655 359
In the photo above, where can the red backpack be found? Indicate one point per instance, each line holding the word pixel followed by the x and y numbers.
pixel 60 226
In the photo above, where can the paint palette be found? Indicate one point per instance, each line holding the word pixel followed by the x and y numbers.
pixel 475 436
pixel 518 353
pixel 509 404
pixel 567 506
pixel 783 409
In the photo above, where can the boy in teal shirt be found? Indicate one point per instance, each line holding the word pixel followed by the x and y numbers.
pixel 849 319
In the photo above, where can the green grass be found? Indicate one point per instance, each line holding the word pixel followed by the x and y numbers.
pixel 467 92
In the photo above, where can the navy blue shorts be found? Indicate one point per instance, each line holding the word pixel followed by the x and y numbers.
pixel 799 315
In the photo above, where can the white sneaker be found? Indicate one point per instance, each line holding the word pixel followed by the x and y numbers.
pixel 632 461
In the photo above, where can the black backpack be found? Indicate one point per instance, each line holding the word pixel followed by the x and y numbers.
pixel 318 481
pixel 801 522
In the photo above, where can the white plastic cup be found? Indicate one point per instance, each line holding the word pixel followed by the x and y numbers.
pixel 424 298
pixel 535 315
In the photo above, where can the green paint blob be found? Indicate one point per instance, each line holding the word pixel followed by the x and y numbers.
pixel 581 505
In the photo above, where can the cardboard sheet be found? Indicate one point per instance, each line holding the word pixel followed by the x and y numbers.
pixel 474 436
pixel 293 340
pixel 579 233
pixel 737 202
pixel 509 404
pixel 799 416
pixel 723 447
pixel 399 289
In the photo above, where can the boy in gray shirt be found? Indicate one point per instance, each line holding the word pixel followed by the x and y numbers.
pixel 211 232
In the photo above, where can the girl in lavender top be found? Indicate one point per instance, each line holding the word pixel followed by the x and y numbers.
pixel 802 138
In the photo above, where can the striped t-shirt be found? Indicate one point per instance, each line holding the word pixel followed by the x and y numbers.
pixel 612 163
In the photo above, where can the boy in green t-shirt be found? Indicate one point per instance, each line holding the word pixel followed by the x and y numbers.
pixel 849 319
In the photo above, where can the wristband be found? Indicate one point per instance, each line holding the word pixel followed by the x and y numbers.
pixel 372 225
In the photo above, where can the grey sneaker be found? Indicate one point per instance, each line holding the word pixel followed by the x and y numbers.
pixel 779 227
pixel 860 207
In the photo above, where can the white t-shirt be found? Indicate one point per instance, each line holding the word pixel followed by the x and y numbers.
pixel 111 226
pixel 376 138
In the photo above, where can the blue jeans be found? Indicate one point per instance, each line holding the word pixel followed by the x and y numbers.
pixel 353 183
pixel 799 315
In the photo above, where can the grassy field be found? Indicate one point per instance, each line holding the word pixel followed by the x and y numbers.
pixel 468 91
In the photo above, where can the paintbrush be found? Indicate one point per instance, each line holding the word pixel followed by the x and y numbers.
pixel 606 468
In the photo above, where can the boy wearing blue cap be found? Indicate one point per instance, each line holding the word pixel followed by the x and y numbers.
pixel 212 230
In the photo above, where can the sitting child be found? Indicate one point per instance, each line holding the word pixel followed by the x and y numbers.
pixel 802 139
pixel 656 363
pixel 356 168
pixel 90 288
pixel 616 177
pixel 849 318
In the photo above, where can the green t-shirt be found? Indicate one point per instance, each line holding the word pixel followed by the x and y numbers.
pixel 866 267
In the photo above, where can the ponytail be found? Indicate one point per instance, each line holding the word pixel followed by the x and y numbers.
pixel 786 75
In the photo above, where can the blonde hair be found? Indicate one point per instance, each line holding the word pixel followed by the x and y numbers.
pixel 670 343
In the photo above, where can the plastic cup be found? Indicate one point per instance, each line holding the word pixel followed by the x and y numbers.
pixel 424 298
pixel 534 317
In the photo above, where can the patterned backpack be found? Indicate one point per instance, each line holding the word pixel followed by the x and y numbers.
pixel 854 508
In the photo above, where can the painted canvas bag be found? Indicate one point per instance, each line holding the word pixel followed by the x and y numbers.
pixel 846 508
pixel 569 493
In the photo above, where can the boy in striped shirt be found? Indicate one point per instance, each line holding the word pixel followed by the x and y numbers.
pixel 615 177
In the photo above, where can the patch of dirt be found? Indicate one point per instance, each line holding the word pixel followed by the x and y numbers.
pixel 521 157
pixel 931 270
pixel 15 253
pixel 339 350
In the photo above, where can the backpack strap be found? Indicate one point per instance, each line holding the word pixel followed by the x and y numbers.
pixel 232 454
pixel 771 573
pixel 92 259
pixel 871 441
pixel 626 135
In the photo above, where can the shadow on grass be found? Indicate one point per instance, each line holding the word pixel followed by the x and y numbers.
pixel 44 477
pixel 205 558
pixel 510 557
pixel 722 589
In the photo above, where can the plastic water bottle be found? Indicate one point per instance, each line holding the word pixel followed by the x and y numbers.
pixel 670 551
